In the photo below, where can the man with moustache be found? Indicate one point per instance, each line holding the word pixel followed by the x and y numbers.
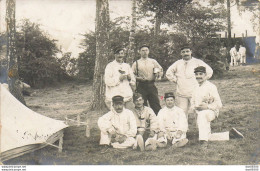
pixel 206 103
pixel 182 73
pixel 119 80
pixel 147 71
pixel 118 126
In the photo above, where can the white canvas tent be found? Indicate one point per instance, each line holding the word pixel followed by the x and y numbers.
pixel 23 130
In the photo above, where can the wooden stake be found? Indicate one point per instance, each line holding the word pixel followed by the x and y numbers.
pixel 66 119
pixel 87 128
pixel 60 144
pixel 78 120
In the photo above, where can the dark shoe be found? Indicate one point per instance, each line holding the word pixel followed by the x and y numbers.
pixel 233 133
pixel 181 143
pixel 140 142
pixel 104 149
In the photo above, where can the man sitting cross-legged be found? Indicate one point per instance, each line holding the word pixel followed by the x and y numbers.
pixel 147 125
pixel 118 126
pixel 173 124
pixel 206 103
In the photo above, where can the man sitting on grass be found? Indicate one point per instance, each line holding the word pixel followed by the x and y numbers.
pixel 118 126
pixel 173 124
pixel 145 118
pixel 206 103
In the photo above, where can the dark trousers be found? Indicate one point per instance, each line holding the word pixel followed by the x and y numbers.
pixel 150 94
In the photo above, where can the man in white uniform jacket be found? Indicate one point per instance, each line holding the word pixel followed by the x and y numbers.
pixel 242 53
pixel 119 80
pixel 234 54
pixel 182 73
pixel 118 127
pixel 206 103
pixel 173 124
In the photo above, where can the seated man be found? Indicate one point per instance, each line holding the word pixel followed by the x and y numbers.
pixel 206 103
pixel 147 125
pixel 118 126
pixel 173 124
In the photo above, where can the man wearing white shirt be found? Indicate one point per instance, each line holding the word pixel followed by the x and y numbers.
pixel 173 124
pixel 118 126
pixel 234 54
pixel 206 104
pixel 182 73
pixel 242 53
pixel 119 80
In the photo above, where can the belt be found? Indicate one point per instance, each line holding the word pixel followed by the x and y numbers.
pixel 146 82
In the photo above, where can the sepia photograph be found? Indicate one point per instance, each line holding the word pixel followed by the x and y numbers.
pixel 129 83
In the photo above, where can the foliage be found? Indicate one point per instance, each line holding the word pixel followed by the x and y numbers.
pixel 162 7
pixel 38 65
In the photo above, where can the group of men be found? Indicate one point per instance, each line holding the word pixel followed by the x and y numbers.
pixel 131 123
pixel 238 55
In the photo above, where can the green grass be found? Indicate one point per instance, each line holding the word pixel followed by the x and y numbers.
pixel 239 91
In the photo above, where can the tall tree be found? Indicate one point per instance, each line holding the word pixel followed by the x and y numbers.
pixel 131 51
pixel 102 52
pixel 14 87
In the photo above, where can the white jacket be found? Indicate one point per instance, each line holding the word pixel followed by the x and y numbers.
pixel 234 53
pixel 173 119
pixel 116 87
pixel 182 73
pixel 242 51
pixel 123 123
pixel 206 93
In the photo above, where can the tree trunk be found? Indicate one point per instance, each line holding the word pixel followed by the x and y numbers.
pixel 131 49
pixel 102 52
pixel 229 24
pixel 157 25
pixel 13 81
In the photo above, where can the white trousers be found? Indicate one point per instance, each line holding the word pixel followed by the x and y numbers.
pixel 234 60
pixel 171 136
pixel 243 59
pixel 203 120
pixel 105 139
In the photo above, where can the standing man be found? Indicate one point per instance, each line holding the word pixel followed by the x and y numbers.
pixel 119 80
pixel 148 70
pixel 234 54
pixel 242 53
pixel 182 73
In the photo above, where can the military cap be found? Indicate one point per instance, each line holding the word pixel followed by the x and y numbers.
pixel 118 99
pixel 200 69
pixel 169 94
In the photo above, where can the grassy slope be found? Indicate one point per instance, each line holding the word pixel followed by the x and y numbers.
pixel 239 90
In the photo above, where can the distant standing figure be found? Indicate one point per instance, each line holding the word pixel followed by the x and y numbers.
pixel 119 80
pixel 257 51
pixel 182 73
pixel 242 53
pixel 224 55
pixel 234 54
pixel 147 71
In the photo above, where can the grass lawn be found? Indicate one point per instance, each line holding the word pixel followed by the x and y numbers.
pixel 239 91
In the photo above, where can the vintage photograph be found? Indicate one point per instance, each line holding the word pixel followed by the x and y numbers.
pixel 129 82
